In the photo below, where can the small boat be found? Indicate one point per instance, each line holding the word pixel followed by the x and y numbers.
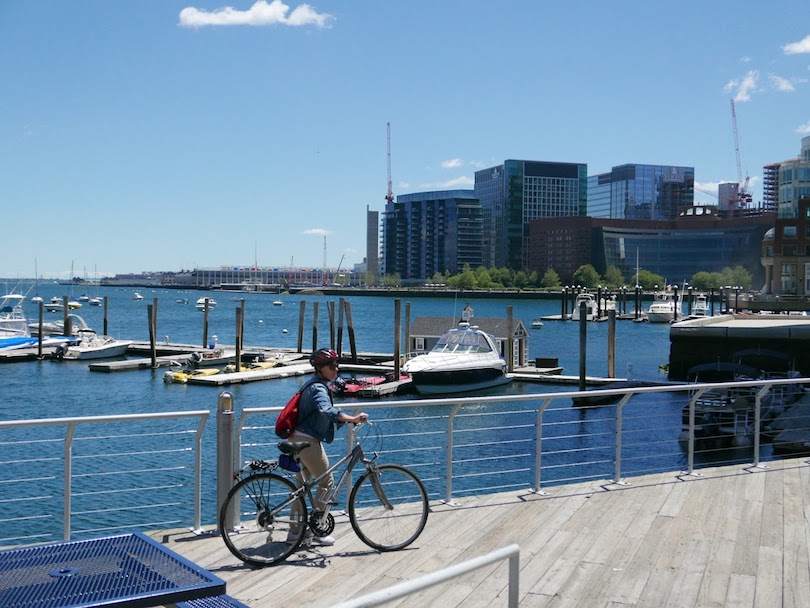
pixel 182 376
pixel 212 357
pixel 201 303
pixel 537 324
pixel 50 328
pixel 95 301
pixel 591 308
pixel 350 386
pixel 182 300
pixel 464 359
pixel 93 346
pixel 700 306
pixel 84 298
pixel 55 305
pixel 251 366
pixel 663 308
pixel 278 303
pixel 137 296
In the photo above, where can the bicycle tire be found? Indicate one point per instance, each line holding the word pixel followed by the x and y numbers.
pixel 265 533
pixel 393 526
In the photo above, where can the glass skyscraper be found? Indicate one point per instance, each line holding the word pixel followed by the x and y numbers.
pixel 641 192
pixel 519 191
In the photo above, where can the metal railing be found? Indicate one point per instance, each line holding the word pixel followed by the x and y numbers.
pixel 458 447
pixel 510 552
pixel 113 457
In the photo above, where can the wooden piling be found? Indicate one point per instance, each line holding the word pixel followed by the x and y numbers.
pixel 583 341
pixel 397 332
pixel 150 319
pixel 106 310
pixel 41 322
pixel 350 328
pixel 330 310
pixel 611 344
pixel 240 329
pixel 407 332
pixel 315 325
pixel 205 324
pixel 302 308
pixel 510 339
pixel 341 305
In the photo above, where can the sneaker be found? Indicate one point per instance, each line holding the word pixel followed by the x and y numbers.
pixel 323 541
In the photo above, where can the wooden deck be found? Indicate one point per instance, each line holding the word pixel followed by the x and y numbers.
pixel 734 536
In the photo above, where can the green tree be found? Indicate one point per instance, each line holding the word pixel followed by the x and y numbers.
pixel 586 276
pixel 483 279
pixel 550 279
pixel 438 277
pixel 648 280
pixel 736 277
pixel 521 279
pixel 392 280
pixel 704 281
pixel 613 277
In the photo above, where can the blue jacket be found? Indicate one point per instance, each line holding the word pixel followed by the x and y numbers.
pixel 317 414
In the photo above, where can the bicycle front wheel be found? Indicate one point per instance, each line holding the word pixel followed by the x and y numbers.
pixel 259 522
pixel 388 507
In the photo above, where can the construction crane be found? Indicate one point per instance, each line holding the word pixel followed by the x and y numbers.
pixel 743 196
pixel 390 195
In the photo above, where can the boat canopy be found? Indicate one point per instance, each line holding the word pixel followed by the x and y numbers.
pixel 462 340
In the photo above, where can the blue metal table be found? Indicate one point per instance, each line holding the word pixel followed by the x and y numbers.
pixel 129 570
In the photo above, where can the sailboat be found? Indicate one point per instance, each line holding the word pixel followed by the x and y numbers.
pixel 37 298
pixel 95 300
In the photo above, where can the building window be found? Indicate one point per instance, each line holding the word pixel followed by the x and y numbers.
pixel 789 251
pixel 419 344
pixel 789 232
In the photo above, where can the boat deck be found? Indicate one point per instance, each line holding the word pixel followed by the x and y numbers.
pixel 733 536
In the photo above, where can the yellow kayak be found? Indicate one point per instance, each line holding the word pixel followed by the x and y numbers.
pixel 250 367
pixel 182 376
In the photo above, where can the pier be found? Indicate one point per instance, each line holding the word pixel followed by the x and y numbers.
pixel 732 536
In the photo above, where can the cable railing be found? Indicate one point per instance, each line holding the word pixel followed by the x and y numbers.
pixel 81 476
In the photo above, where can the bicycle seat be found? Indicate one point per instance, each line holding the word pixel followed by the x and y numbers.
pixel 292 447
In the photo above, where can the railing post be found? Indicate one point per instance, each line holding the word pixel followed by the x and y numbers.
pixel 67 481
pixel 448 479
pixel 757 421
pixel 225 455
pixel 538 446
pixel 617 475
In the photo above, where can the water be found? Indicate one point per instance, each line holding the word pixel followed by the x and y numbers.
pixel 50 389
pixel 45 389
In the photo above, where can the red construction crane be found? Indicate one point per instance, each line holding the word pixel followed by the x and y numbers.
pixel 743 196
pixel 390 196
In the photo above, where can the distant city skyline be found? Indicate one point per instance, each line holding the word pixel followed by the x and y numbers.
pixel 181 134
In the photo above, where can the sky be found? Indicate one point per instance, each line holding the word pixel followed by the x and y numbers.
pixel 171 135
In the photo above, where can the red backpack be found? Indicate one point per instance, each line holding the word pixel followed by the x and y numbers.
pixel 288 418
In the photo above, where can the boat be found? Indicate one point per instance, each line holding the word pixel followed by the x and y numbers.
pixel 201 303
pixel 55 305
pixel 137 296
pixel 700 306
pixel 84 298
pixel 591 308
pixel 663 307
pixel 353 385
pixel 182 300
pixel 278 303
pixel 212 357
pixel 96 301
pixel 250 366
pixel 537 324
pixel 92 346
pixel 464 359
pixel 182 376
pixel 50 328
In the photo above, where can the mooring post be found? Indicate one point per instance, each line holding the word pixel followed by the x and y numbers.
pixel 41 321
pixel 341 303
pixel 510 339
pixel 407 331
pixel 350 327
pixel 106 310
pixel 611 344
pixel 205 323
pixel 397 332
pixel 583 341
pixel 150 319
pixel 330 310
pixel 302 308
pixel 240 326
pixel 315 326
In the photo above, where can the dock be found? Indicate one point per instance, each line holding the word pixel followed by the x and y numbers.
pixel 732 536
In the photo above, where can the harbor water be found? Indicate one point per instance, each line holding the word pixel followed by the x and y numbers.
pixel 52 389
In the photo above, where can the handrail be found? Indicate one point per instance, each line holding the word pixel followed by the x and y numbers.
pixel 73 421
pixel 510 552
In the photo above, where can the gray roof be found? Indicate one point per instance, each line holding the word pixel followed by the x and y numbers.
pixel 436 326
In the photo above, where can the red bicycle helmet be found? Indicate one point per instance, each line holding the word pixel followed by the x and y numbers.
pixel 323 356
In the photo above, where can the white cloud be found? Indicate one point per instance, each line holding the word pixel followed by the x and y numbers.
pixel 453 163
pixel 804 129
pixel 317 231
pixel 797 48
pixel 781 84
pixel 742 88
pixel 260 14
pixel 745 60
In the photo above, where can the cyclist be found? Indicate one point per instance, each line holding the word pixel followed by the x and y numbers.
pixel 317 416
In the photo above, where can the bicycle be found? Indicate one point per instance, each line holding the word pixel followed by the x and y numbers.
pixel 388 506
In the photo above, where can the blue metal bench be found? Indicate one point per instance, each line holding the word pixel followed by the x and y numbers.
pixel 125 571
pixel 219 601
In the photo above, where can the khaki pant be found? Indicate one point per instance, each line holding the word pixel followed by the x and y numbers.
pixel 314 463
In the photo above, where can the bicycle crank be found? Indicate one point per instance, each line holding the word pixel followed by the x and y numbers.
pixel 320 524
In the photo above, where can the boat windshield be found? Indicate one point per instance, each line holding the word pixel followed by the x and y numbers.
pixel 461 341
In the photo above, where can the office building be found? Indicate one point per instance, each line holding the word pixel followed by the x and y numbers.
pixel 641 192
pixel 786 248
pixel 425 233
pixel 519 191
pixel 372 243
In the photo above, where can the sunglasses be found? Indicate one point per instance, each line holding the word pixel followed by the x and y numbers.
pixel 332 365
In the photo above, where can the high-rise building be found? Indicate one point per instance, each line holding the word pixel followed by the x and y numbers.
pixel 429 232
pixel 372 242
pixel 786 248
pixel 519 191
pixel 641 192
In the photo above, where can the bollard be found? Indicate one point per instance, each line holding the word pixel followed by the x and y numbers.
pixel 225 455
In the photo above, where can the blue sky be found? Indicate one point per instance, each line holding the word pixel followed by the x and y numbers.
pixel 139 136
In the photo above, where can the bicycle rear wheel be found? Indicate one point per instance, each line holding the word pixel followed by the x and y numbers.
pixel 388 507
pixel 256 524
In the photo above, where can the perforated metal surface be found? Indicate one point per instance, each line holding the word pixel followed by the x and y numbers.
pixel 129 570
pixel 220 601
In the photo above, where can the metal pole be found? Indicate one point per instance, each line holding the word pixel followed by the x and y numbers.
pixel 448 479
pixel 583 342
pixel 225 456
pixel 397 334
pixel 611 344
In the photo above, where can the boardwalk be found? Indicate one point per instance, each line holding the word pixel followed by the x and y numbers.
pixel 732 537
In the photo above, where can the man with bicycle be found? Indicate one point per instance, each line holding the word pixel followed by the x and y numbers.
pixel 317 417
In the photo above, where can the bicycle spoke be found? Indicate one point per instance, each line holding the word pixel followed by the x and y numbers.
pixel 388 507
pixel 255 526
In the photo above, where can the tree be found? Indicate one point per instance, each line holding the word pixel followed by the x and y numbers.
pixel 613 277
pixel 550 279
pixel 586 276
pixel 483 279
pixel 736 277
pixel 705 281
pixel 392 280
pixel 648 280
